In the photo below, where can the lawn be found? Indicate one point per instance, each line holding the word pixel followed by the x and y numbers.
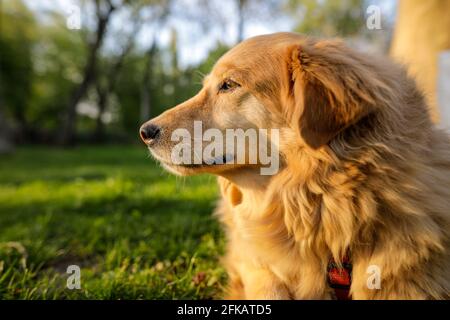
pixel 135 231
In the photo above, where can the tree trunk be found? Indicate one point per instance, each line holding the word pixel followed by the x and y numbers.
pixel 67 136
pixel 422 31
pixel 145 103
pixel 6 145
pixel 103 92
pixel 103 100
pixel 145 111
pixel 241 8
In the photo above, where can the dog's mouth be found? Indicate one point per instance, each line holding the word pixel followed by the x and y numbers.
pixel 221 160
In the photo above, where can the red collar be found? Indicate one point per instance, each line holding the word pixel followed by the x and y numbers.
pixel 340 277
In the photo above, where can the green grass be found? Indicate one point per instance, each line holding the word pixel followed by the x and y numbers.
pixel 136 231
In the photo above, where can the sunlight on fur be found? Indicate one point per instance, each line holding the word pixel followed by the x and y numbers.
pixel 363 172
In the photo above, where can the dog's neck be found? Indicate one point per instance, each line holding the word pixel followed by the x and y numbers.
pixel 296 199
pixel 248 188
pixel 248 179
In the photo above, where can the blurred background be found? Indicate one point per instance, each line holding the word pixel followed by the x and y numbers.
pixel 78 77
pixel 91 71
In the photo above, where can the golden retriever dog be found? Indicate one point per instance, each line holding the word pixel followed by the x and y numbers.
pixel 363 179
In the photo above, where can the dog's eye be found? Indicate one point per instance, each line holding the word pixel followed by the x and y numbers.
pixel 228 85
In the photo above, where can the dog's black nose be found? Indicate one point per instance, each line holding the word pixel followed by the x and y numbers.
pixel 149 132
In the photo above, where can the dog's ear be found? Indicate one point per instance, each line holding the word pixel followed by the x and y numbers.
pixel 331 90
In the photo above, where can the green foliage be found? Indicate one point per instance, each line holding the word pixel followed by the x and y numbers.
pixel 214 55
pixel 17 33
pixel 59 57
pixel 136 232
pixel 39 65
pixel 328 17
pixel 42 61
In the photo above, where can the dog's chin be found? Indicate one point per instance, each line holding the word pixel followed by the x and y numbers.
pixel 212 166
pixel 191 170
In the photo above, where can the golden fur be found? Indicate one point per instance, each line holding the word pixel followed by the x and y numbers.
pixel 363 170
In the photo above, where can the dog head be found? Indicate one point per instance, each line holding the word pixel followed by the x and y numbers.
pixel 308 90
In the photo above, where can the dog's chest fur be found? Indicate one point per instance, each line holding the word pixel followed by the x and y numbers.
pixel 262 245
pixel 279 247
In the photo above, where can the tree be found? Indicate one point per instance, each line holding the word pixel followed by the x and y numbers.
pixel 146 85
pixel 249 8
pixel 59 57
pixel 421 32
pixel 241 4
pixel 17 38
pixel 104 9
pixel 105 87
pixel 160 16
pixel 107 77
pixel 6 144
pixel 327 18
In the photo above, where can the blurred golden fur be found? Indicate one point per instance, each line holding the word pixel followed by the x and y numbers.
pixel 363 171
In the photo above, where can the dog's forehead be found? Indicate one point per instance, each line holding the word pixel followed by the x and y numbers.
pixel 245 53
pixel 237 62
pixel 254 52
